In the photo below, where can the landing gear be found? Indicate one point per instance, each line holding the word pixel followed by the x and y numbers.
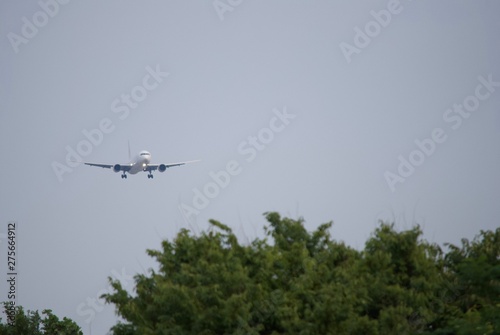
pixel 150 175
pixel 124 175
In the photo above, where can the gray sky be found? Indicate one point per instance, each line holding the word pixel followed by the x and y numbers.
pixel 310 108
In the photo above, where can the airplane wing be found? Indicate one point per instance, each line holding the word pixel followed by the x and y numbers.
pixel 123 167
pixel 163 167
pixel 107 166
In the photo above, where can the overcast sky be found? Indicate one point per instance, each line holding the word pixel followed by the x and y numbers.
pixel 331 111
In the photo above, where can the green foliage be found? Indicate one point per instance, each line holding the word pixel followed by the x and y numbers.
pixel 33 324
pixel 306 283
pixel 474 295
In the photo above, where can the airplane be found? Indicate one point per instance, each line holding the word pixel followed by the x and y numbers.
pixel 138 164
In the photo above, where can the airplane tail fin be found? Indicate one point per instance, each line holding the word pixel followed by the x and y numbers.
pixel 129 154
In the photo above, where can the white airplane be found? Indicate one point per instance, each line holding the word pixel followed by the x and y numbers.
pixel 138 164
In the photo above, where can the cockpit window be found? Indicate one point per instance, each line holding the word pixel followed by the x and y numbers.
pixel 144 153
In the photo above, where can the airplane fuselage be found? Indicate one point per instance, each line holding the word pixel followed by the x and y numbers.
pixel 140 162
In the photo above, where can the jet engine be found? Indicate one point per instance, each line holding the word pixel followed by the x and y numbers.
pixel 162 167
pixel 117 168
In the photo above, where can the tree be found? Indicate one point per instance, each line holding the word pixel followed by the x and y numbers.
pixel 32 323
pixel 473 291
pixel 404 280
pixel 301 282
